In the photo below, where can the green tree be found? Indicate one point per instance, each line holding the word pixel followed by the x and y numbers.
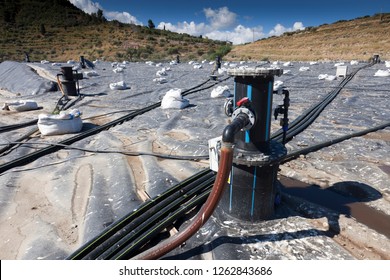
pixel 151 24
pixel 100 15
pixel 42 29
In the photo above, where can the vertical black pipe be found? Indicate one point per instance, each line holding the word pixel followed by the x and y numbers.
pixel 250 192
pixel 259 90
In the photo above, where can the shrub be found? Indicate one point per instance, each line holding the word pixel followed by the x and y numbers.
pixel 173 50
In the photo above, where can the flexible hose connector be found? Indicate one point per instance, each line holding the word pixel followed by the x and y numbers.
pixel 230 130
pixel 203 215
pixel 60 86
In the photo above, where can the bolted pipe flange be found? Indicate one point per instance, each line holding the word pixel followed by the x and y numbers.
pixel 228 107
pixel 255 72
pixel 249 113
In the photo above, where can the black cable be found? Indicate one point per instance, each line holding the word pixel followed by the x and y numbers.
pixel 131 250
pixel 19 140
pixel 153 218
pixel 295 154
pixel 127 153
pixel 83 251
pixel 53 148
pixel 17 126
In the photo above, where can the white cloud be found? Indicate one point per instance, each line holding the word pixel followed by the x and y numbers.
pixel 238 35
pixel 86 5
pixel 124 17
pixel 219 21
pixel 298 26
pixel 184 27
pixel 221 24
pixel 221 18
pixel 280 29
pixel 90 7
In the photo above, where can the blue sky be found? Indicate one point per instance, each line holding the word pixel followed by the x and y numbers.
pixel 239 21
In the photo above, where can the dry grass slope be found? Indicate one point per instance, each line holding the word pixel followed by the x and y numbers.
pixel 344 40
pixel 56 30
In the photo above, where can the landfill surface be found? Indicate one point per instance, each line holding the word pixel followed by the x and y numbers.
pixel 53 205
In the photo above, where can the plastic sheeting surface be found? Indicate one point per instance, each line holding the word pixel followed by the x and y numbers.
pixel 51 206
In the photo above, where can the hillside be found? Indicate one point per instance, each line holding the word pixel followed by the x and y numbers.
pixel 56 30
pixel 344 40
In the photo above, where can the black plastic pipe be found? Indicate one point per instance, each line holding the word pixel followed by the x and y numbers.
pixel 91 245
pixel 317 147
pixel 230 130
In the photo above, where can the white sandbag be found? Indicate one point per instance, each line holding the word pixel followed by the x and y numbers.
pixel 198 66
pixel 71 62
pixel 118 86
pixel 63 123
pixel 174 100
pixel 339 64
pixel 330 77
pixel 287 64
pixel 160 80
pixel 322 76
pixel 326 77
pixel 313 63
pixel 221 91
pixel 21 105
pixel 222 71
pixel 118 70
pixel 304 68
pixel 278 86
pixel 45 62
pixel 387 64
pixel 90 74
pixel 161 73
pixel 382 73
pixel 77 67
pixel 354 62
